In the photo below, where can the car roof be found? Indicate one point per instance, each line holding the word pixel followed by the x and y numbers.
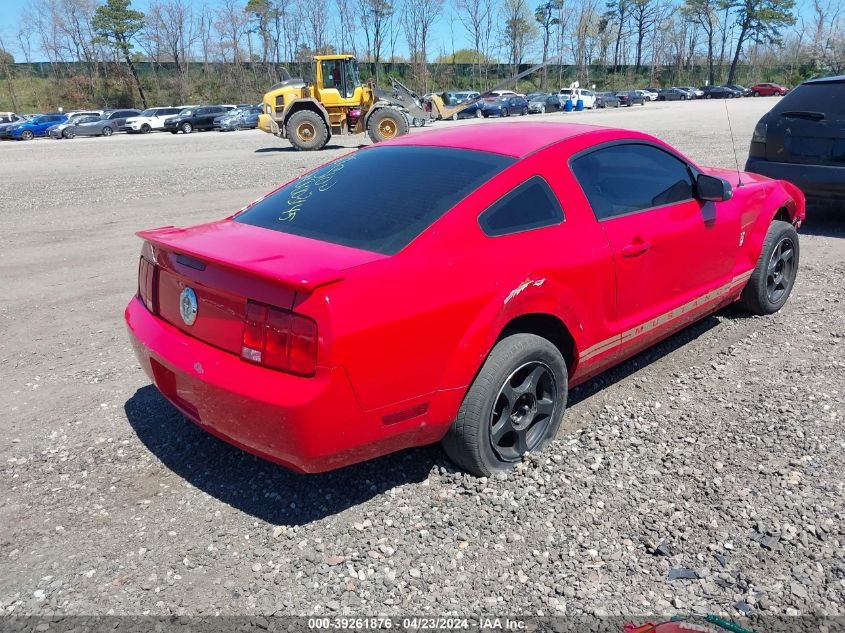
pixel 827 80
pixel 514 139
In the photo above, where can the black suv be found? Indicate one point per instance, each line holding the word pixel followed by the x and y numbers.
pixel 190 119
pixel 802 139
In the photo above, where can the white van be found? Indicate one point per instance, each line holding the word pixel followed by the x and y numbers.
pixel 587 96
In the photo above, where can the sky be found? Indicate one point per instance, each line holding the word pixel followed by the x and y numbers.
pixel 447 28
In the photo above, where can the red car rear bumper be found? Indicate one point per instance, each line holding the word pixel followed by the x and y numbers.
pixel 306 424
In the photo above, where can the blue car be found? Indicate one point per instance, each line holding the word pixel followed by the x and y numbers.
pixel 37 126
pixel 505 106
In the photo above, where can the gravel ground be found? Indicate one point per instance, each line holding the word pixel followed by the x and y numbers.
pixel 703 475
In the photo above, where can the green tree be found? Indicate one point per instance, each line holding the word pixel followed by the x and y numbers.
pixel 760 21
pixel 115 25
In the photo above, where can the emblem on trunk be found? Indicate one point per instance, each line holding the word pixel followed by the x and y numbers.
pixel 188 306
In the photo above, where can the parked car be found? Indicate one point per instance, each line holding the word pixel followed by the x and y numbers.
pixel 688 94
pixel 505 106
pixel 190 119
pixel 473 111
pixel 83 126
pixel 35 127
pixel 648 94
pixel 71 119
pixel 768 89
pixel 607 100
pixel 118 117
pixel 802 140
pixel 149 120
pixel 240 119
pixel 587 96
pixel 73 113
pixel 543 103
pixel 717 92
pixel 8 119
pixel 631 97
pixel 743 92
pixel 252 326
pixel 697 93
pixel 461 97
pixel 672 94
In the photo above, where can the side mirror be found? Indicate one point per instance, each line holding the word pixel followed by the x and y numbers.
pixel 713 189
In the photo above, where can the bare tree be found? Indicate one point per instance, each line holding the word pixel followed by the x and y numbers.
pixel 518 30
pixel 704 14
pixel 476 17
pixel 375 18
pixel 418 18
pixel 316 18
pixel 643 14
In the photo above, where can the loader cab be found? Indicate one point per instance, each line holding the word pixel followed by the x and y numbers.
pixel 338 80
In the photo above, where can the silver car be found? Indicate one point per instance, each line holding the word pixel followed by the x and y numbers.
pixel 83 126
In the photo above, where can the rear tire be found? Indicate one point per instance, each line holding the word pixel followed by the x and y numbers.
pixel 774 275
pixel 504 112
pixel 524 112
pixel 385 124
pixel 307 131
pixel 514 405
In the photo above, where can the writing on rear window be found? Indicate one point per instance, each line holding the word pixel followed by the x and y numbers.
pixel 319 181
pixel 378 199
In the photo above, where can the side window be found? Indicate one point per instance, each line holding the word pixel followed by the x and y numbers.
pixel 623 179
pixel 202 111
pixel 531 205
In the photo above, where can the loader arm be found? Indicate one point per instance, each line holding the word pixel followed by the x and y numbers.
pixel 402 96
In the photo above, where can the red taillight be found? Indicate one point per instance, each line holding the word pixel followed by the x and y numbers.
pixel 147 278
pixel 279 339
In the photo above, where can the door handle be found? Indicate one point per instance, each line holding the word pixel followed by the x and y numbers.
pixel 635 248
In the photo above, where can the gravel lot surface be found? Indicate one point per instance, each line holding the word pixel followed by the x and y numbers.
pixel 703 475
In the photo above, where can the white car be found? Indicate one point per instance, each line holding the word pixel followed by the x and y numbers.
pixel 587 96
pixel 648 94
pixel 149 120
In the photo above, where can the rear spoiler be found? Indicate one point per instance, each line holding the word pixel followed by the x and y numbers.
pixel 305 279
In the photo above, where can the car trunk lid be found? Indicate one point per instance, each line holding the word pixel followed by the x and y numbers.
pixel 227 263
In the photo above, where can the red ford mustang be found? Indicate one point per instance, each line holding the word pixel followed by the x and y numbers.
pixel 449 285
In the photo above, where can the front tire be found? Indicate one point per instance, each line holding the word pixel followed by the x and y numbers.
pixel 146 129
pixel 68 133
pixel 478 114
pixel 108 131
pixel 514 406
pixel 385 124
pixel 755 94
pixel 27 135
pixel 307 131
pixel 187 128
pixel 774 275
pixel 504 112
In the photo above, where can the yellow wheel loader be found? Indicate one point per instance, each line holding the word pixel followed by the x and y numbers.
pixel 308 114
pixel 338 102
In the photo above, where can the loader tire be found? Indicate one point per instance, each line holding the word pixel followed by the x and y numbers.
pixel 307 131
pixel 385 124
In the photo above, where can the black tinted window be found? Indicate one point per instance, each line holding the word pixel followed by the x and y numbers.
pixel 827 98
pixel 342 202
pixel 622 179
pixel 530 206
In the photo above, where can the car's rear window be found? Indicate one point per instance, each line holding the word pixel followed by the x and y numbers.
pixel 827 98
pixel 377 199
